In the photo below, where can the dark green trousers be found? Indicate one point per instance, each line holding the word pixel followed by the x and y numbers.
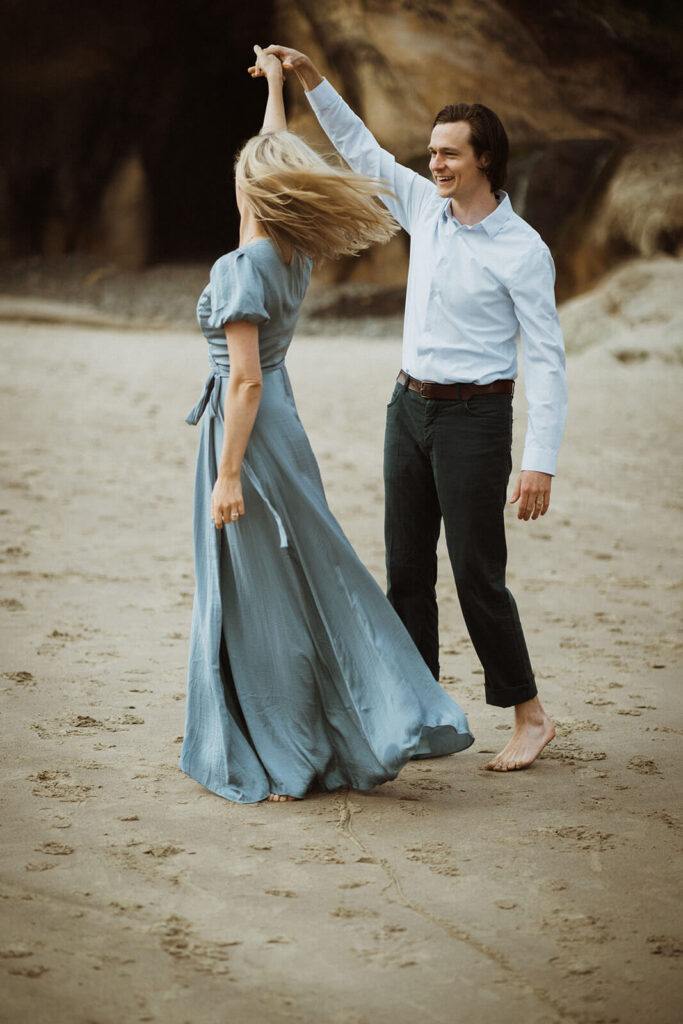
pixel 450 460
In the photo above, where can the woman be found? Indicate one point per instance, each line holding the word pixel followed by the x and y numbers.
pixel 300 672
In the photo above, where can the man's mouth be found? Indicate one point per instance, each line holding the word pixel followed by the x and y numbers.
pixel 442 180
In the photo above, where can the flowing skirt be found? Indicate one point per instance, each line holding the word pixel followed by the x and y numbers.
pixel 300 672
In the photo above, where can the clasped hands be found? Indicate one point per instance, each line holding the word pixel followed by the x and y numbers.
pixel 265 64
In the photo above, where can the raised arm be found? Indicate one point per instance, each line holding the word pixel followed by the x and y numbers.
pixel 268 66
pixel 356 143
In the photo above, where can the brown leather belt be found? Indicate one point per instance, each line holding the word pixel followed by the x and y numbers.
pixel 457 392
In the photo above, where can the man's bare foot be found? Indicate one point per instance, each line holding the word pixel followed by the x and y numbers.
pixel 533 729
pixel 276 798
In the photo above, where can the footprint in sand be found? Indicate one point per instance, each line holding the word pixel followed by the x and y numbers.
pixel 85 725
pixel 643 765
pixel 438 857
pixel 55 849
pixel 14 551
pixel 573 755
pixel 321 854
pixel 665 945
pixel 51 783
pixel 21 678
pixel 15 952
pixel 12 604
pixel 285 893
pixel 412 805
pixel 348 913
pixel 162 850
pixel 430 785
pixel 176 938
pixel 670 820
pixel 33 971
pixel 393 947
pixel 582 837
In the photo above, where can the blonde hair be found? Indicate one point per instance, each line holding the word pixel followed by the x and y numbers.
pixel 306 205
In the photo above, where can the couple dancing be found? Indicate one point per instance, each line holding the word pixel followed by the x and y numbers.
pixel 301 673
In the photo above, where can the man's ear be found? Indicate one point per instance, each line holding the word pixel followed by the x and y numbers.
pixel 485 159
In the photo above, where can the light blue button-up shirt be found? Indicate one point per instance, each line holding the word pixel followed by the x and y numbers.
pixel 472 290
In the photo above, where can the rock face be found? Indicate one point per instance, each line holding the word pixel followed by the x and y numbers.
pixel 112 109
pixel 586 90
pixel 120 124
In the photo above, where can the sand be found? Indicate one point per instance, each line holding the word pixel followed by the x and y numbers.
pixel 132 894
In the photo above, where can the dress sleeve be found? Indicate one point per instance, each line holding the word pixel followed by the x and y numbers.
pixel 236 291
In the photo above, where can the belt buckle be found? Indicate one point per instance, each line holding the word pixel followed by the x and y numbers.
pixel 423 383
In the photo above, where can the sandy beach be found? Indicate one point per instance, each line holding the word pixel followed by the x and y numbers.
pixel 130 894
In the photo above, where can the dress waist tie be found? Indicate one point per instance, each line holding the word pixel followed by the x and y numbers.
pixel 209 398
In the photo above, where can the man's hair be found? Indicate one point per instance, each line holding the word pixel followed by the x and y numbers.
pixel 487 137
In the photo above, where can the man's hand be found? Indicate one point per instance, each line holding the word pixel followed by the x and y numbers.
pixel 293 60
pixel 533 493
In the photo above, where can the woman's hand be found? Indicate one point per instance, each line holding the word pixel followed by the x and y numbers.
pixel 267 64
pixel 227 503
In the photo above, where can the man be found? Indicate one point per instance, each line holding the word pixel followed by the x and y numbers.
pixel 478 276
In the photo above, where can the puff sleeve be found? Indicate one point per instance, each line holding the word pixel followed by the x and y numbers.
pixel 236 291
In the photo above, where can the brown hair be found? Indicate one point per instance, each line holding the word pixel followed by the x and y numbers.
pixel 487 137
pixel 306 205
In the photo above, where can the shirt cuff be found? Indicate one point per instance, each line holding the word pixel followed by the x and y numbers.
pixel 322 96
pixel 539 460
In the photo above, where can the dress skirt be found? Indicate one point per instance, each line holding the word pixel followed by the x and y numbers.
pixel 300 672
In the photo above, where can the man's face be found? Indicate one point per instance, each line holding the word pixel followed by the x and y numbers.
pixel 454 167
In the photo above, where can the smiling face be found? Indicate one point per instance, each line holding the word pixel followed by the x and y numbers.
pixel 454 166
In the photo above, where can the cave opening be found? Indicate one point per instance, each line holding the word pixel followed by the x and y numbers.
pixel 139 96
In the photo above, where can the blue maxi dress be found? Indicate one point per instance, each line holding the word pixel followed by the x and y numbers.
pixel 300 672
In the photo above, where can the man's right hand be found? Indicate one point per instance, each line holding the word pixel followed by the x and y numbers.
pixel 299 63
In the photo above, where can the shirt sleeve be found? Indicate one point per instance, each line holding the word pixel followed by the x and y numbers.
pixel 236 291
pixel 363 154
pixel 533 296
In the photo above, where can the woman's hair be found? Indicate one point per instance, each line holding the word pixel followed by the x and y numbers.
pixel 306 205
pixel 487 137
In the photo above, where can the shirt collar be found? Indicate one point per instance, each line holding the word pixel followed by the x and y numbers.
pixel 495 220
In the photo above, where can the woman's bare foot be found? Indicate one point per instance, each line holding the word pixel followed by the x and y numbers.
pixel 276 798
pixel 533 730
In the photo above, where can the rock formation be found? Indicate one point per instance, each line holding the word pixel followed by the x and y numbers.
pixel 119 124
pixel 588 91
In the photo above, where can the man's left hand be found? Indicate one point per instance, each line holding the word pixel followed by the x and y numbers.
pixel 533 494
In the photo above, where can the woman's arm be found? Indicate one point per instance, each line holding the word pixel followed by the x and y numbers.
pixel 269 67
pixel 241 406
pixel 245 382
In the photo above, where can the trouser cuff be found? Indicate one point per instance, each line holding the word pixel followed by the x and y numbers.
pixel 511 695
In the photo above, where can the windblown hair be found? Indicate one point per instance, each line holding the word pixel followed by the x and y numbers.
pixel 487 138
pixel 304 204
